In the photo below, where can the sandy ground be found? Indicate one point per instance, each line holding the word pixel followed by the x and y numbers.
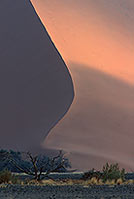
pixel 67 192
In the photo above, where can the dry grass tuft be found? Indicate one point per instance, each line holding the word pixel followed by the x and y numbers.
pixel 129 181
pixel 119 181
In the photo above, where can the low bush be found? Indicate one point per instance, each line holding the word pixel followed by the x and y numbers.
pixel 92 174
pixel 7 177
pixel 109 172
pixel 112 172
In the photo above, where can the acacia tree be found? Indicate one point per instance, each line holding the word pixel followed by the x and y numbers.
pixel 38 164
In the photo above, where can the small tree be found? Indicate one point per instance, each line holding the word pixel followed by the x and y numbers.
pixel 36 165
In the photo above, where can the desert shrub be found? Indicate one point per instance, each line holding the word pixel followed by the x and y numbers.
pixel 112 172
pixel 7 177
pixel 92 174
pixel 109 172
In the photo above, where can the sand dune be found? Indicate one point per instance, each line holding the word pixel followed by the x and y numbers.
pixel 36 88
pixel 99 125
pixel 96 41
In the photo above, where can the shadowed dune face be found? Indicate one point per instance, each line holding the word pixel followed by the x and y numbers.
pixel 96 40
pixel 35 86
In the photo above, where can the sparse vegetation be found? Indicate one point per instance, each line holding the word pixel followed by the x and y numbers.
pixel 40 166
pixel 91 174
pixel 113 172
pixel 57 185
pixel 7 177
pixel 110 173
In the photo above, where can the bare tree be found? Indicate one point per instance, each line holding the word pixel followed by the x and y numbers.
pixel 40 164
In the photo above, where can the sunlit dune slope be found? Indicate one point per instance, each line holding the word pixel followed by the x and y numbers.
pixel 97 33
pixel 96 41
pixel 36 88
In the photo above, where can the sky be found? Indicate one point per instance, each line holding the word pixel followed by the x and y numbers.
pixel 95 39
